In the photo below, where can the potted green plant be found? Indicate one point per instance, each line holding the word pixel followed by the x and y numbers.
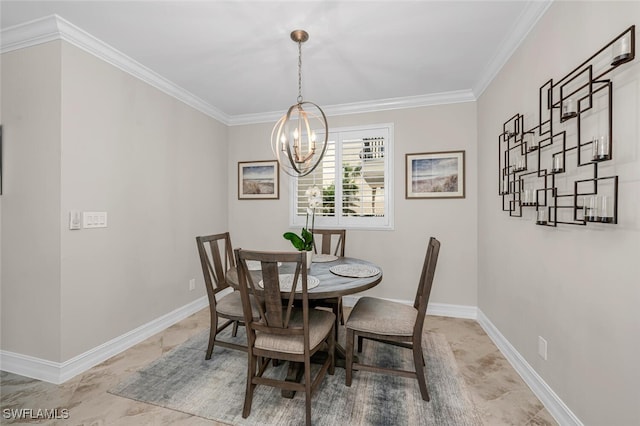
pixel 304 241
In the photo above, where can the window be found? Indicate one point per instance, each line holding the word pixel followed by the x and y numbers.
pixel 355 179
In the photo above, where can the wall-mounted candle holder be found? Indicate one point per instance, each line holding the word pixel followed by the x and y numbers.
pixel 605 209
pixel 529 197
pixel 621 50
pixel 590 206
pixel 558 164
pixel 569 109
pixel 585 89
pixel 598 208
pixel 505 185
pixel 600 149
pixel 530 141
pixel 518 164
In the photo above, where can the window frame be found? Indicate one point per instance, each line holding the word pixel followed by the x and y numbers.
pixel 352 222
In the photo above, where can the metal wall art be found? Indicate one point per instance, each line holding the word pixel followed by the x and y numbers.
pixel 556 167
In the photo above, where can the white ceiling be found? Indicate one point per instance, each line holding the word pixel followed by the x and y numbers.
pixel 237 57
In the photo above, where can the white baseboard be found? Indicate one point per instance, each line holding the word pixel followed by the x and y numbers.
pixel 59 372
pixel 54 372
pixel 552 402
pixel 440 309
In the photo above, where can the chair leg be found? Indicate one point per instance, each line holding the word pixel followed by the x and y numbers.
pixel 349 356
pixel 234 333
pixel 307 390
pixel 332 352
pixel 248 396
pixel 341 311
pixel 212 333
pixel 336 312
pixel 418 360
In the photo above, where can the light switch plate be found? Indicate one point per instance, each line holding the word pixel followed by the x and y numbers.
pixel 75 219
pixel 94 219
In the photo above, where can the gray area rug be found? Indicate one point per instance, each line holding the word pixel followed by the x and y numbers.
pixel 183 380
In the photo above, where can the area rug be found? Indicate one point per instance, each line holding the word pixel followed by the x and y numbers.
pixel 184 381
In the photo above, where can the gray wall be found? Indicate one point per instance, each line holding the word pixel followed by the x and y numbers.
pixel 81 134
pixel 31 250
pixel 260 224
pixel 577 287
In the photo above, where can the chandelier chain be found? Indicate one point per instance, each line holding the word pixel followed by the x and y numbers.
pixel 299 72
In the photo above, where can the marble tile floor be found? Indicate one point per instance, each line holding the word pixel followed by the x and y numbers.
pixel 501 396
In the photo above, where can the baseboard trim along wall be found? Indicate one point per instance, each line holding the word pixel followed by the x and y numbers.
pixel 54 372
pixel 60 372
pixel 552 402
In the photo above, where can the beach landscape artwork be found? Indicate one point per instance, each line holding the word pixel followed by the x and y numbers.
pixel 435 175
pixel 258 180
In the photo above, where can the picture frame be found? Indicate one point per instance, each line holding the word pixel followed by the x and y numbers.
pixel 435 175
pixel 258 180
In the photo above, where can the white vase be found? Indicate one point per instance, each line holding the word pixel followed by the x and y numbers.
pixel 309 258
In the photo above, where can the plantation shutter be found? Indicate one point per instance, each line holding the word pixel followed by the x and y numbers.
pixel 354 177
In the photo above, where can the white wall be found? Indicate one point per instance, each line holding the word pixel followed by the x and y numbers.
pixel 81 134
pixel 30 267
pixel 578 287
pixel 400 253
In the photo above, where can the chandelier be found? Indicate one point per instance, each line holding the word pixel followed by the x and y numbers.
pixel 294 137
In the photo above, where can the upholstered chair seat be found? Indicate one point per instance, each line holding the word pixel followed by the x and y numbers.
pixel 375 315
pixel 320 323
pixel 231 305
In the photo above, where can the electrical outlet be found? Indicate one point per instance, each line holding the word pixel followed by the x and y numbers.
pixel 542 348
pixel 192 284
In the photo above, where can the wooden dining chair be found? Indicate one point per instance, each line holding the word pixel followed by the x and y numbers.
pixel 394 323
pixel 212 250
pixel 332 241
pixel 283 332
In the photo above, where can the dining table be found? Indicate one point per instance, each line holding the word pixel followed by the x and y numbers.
pixel 336 277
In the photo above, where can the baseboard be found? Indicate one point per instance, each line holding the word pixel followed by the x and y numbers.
pixel 439 309
pixel 60 372
pixel 54 372
pixel 546 395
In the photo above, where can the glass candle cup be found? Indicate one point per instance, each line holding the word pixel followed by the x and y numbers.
pixel 558 164
pixel 600 148
pixel 568 108
pixel 591 209
pixel 541 217
pixel 605 213
pixel 621 51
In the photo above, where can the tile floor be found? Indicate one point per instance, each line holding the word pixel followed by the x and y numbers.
pixel 498 391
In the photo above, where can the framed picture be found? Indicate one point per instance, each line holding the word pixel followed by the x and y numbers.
pixel 435 175
pixel 258 180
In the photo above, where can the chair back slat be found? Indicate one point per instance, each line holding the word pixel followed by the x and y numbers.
pixel 278 306
pixel 426 282
pixel 328 239
pixel 213 269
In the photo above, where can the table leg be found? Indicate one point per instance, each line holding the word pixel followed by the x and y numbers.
pixel 295 371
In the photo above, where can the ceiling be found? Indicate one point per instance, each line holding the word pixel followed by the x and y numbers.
pixel 237 57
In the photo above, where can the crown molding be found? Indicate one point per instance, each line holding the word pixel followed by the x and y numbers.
pixel 54 27
pixel 365 107
pixel 532 13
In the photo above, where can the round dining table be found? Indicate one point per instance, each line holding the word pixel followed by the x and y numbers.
pixel 331 284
